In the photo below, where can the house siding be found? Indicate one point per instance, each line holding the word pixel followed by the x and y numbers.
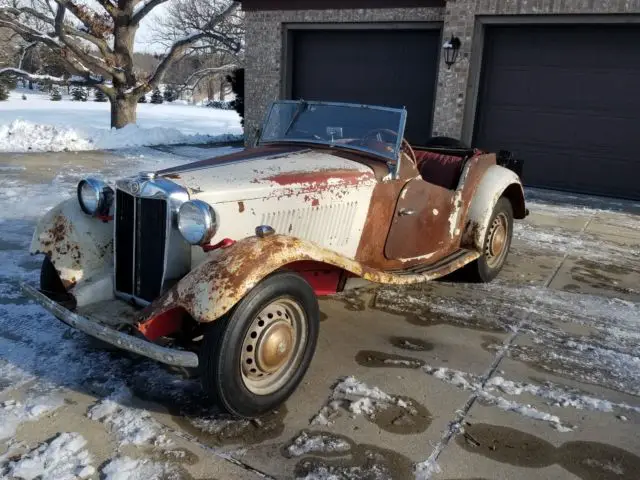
pixel 265 47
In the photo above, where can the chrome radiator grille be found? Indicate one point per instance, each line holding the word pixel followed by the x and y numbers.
pixel 148 251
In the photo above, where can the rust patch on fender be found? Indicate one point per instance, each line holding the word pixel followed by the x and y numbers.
pixel 240 207
pixel 212 288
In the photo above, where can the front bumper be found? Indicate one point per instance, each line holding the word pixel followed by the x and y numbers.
pixel 169 356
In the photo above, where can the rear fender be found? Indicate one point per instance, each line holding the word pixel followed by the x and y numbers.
pixel 79 246
pixel 496 182
pixel 213 287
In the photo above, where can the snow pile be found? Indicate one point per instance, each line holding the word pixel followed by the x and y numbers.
pixel 126 468
pixel 25 136
pixel 132 426
pixel 65 457
pixel 13 413
pixel 359 399
pixel 317 443
pixel 38 124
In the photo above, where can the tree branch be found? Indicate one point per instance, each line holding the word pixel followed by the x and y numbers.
pixel 109 7
pixel 204 73
pixel 38 78
pixel 96 63
pixel 144 10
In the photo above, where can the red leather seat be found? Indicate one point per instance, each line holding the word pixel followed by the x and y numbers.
pixel 440 169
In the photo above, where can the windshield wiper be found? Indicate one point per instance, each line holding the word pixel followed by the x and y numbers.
pixel 302 107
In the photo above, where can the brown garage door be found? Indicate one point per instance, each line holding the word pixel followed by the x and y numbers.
pixel 566 99
pixel 394 68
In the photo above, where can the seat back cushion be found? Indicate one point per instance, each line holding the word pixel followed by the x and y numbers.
pixel 440 169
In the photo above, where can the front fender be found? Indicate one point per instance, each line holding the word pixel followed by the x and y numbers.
pixel 77 244
pixel 496 182
pixel 212 288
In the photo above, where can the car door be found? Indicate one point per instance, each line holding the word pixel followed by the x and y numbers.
pixel 422 227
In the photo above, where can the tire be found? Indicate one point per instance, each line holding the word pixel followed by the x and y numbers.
pixel 242 365
pixel 445 142
pixel 487 267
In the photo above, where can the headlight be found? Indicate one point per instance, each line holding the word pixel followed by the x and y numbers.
pixel 197 222
pixel 94 196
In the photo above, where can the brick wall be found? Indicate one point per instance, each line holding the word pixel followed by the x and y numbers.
pixel 264 40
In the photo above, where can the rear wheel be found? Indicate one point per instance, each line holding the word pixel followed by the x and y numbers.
pixel 497 243
pixel 253 359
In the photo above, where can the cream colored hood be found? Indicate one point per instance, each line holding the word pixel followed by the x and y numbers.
pixel 271 176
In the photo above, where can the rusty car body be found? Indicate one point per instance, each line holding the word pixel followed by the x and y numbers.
pixel 217 264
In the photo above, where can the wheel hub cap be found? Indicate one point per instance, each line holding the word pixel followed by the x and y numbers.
pixel 497 240
pixel 274 346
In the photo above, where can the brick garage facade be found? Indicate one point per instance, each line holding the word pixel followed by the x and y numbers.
pixel 456 87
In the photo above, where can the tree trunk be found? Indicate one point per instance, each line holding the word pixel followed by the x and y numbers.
pixel 123 111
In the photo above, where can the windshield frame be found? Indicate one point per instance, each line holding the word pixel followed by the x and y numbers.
pixel 387 158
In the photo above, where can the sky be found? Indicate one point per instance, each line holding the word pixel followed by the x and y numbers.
pixel 144 38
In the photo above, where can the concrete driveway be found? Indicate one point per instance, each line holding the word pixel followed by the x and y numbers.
pixel 536 375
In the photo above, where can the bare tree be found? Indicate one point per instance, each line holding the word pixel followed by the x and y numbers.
pixel 184 16
pixel 95 44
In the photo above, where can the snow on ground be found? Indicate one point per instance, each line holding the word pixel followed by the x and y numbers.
pixel 63 458
pixel 132 426
pixel 553 395
pixel 38 124
pixel 14 413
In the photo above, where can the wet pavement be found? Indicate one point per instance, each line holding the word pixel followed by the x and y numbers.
pixel 536 375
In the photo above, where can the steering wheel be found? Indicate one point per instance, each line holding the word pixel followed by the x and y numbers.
pixel 406 146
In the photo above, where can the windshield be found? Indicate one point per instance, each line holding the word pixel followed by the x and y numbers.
pixel 377 130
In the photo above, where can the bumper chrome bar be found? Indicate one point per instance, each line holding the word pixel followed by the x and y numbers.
pixel 121 340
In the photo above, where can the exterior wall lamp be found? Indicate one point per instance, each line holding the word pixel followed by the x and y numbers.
pixel 451 48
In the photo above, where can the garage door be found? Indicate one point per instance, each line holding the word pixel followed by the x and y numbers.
pixel 567 101
pixel 393 68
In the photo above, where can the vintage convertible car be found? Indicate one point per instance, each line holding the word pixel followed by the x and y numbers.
pixel 216 265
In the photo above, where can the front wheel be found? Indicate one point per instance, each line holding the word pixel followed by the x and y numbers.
pixel 496 245
pixel 253 359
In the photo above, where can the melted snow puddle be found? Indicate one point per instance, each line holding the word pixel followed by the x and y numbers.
pixel 327 456
pixel 395 414
pixel 514 447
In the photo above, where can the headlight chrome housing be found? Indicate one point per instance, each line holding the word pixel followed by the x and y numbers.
pixel 197 222
pixel 94 196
